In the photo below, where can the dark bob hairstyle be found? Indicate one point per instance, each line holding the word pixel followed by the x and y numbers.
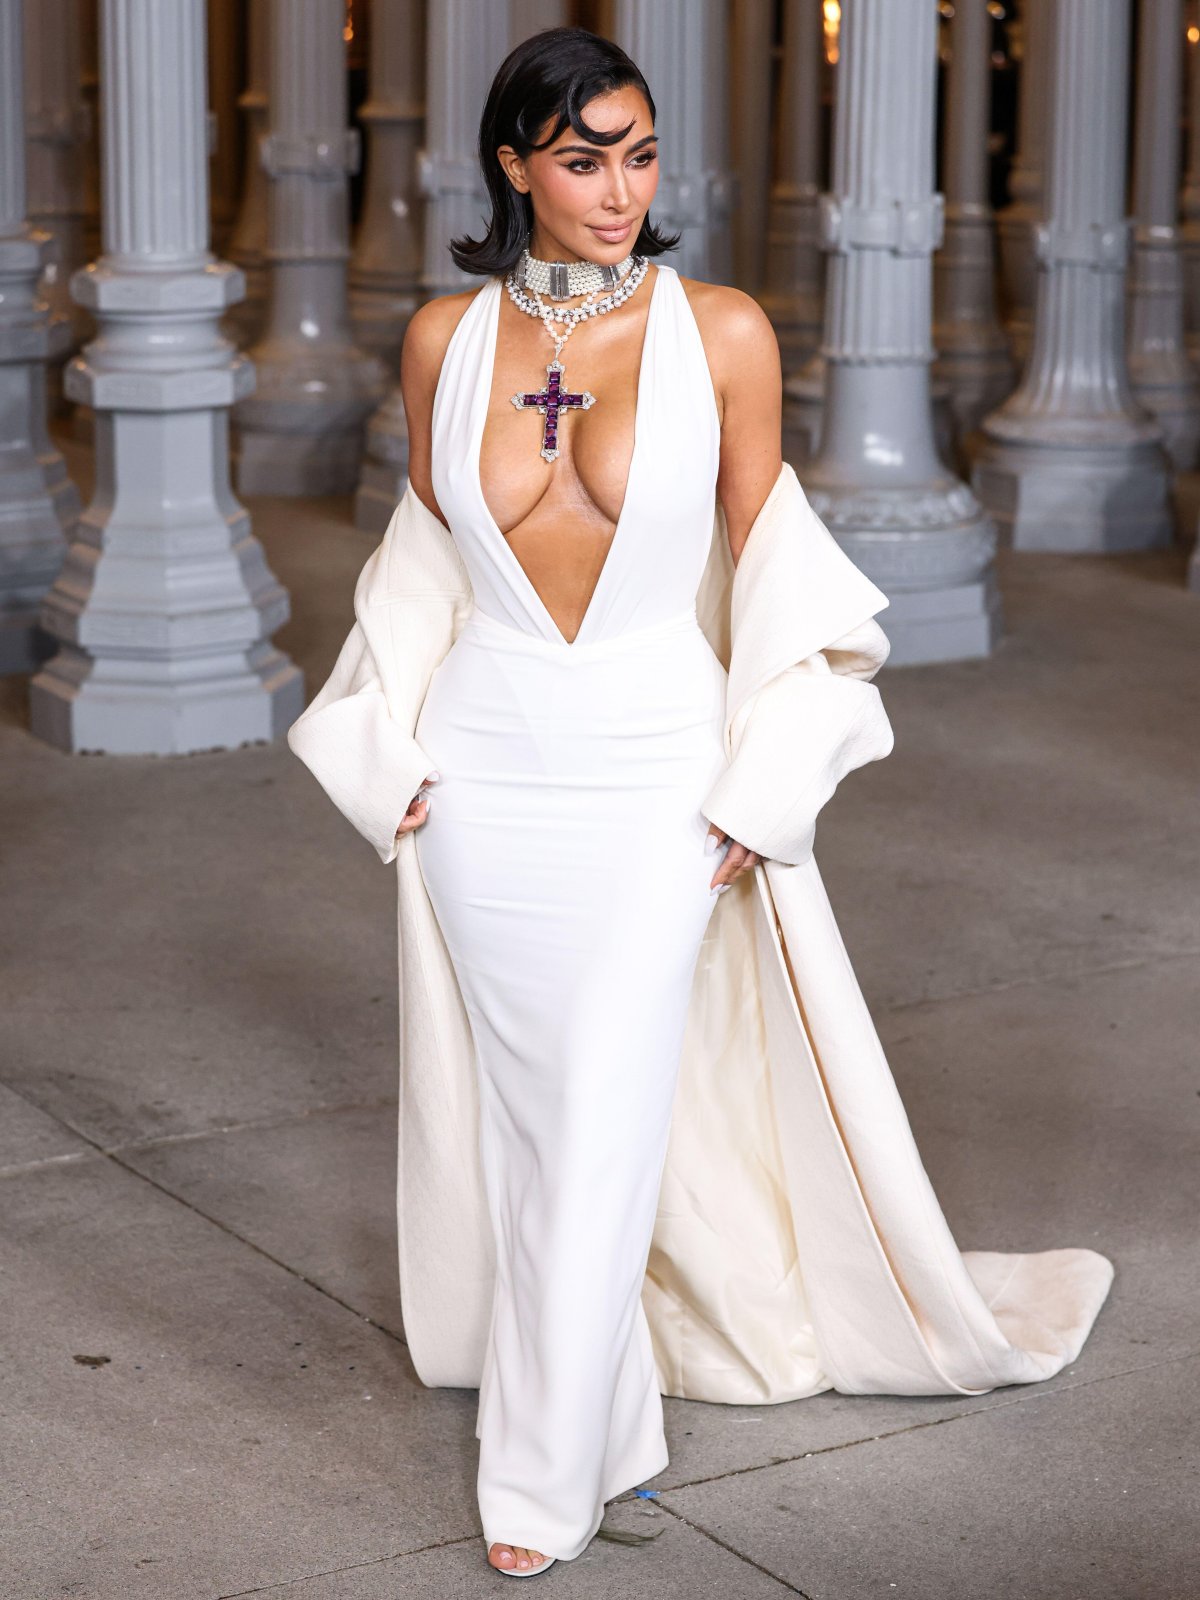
pixel 552 74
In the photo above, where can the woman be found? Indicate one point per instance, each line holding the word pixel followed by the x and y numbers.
pixel 576 725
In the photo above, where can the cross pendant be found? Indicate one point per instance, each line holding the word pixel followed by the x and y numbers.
pixel 550 401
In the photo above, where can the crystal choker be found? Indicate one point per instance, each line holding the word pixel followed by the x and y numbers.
pixel 561 279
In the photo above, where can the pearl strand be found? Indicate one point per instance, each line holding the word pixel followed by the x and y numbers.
pixel 534 306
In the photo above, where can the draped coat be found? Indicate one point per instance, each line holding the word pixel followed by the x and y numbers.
pixel 799 1245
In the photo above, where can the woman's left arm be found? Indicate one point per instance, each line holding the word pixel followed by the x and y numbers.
pixel 743 359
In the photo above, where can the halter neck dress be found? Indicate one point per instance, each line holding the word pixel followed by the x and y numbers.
pixel 564 859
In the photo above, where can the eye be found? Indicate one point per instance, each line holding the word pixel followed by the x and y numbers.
pixel 644 158
pixel 581 164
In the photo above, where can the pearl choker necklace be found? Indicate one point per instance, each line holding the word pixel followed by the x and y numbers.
pixel 561 279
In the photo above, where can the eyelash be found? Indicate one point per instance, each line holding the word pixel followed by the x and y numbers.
pixel 642 159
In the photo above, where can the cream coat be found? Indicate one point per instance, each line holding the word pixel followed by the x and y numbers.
pixel 799 1244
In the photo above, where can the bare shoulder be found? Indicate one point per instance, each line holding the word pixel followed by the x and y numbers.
pixel 428 333
pixel 729 319
pixel 737 335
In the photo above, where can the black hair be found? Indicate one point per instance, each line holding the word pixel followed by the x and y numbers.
pixel 552 74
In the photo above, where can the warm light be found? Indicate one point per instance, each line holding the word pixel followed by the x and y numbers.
pixel 996 10
pixel 348 26
pixel 832 17
pixel 1193 34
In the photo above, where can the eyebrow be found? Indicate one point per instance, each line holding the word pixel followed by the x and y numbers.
pixel 598 150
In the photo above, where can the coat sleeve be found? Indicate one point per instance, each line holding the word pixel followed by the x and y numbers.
pixel 360 755
pixel 804 730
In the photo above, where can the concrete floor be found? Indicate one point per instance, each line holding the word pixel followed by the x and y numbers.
pixel 206 1390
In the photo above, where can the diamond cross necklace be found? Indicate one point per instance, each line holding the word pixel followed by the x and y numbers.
pixel 555 396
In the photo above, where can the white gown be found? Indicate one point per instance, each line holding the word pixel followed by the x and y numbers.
pixel 564 858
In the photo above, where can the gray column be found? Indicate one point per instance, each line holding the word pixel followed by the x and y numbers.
pixel 682 49
pixel 301 432
pixel 1160 370
pixel 794 263
pixel 1016 221
pixel 751 50
pixel 1070 461
pixel 463 47
pixel 973 354
pixel 385 268
pixel 165 606
pixel 37 501
pixel 56 128
pixel 248 244
pixel 876 479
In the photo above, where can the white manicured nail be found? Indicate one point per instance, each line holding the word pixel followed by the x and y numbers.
pixel 710 844
pixel 721 887
pixel 433 777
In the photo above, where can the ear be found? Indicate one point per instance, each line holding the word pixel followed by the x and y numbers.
pixel 513 167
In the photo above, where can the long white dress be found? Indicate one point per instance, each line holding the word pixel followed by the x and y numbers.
pixel 564 857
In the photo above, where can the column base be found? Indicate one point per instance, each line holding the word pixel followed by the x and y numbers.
pixel 80 705
pixel 1093 500
pixel 931 625
pixel 380 490
pixel 296 463
pixel 24 643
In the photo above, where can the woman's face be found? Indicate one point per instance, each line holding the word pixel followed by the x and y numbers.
pixel 589 200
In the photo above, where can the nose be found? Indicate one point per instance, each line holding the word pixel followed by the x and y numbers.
pixel 618 190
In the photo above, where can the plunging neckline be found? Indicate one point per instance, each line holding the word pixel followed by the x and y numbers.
pixel 483 404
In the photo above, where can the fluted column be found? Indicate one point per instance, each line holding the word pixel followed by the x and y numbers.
pixel 38 503
pixel 388 265
pixel 1070 462
pixel 165 606
pixel 1015 223
pixel 56 126
pixel 1160 370
pixel 973 354
pixel 752 37
pixel 463 47
pixel 876 479
pixel 245 321
pixel 385 268
pixel 682 49
pixel 301 432
pixel 794 263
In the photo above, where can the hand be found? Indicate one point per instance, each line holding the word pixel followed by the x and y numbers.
pixel 418 809
pixel 737 859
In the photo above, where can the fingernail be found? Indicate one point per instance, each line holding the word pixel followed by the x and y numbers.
pixel 433 777
pixel 428 799
pixel 710 844
pixel 721 887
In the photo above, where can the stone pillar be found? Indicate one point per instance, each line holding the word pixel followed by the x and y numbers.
pixel 1160 370
pixel 876 480
pixel 56 128
pixel 165 606
pixel 248 244
pixel 973 354
pixel 682 49
pixel 794 263
pixel 1016 221
pixel 1070 462
pixel 752 46
pixel 37 501
pixel 385 269
pixel 301 432
pixel 226 31
pixel 464 46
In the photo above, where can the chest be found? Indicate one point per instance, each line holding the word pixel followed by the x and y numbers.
pixel 604 357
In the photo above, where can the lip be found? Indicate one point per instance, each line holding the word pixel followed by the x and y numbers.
pixel 612 235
